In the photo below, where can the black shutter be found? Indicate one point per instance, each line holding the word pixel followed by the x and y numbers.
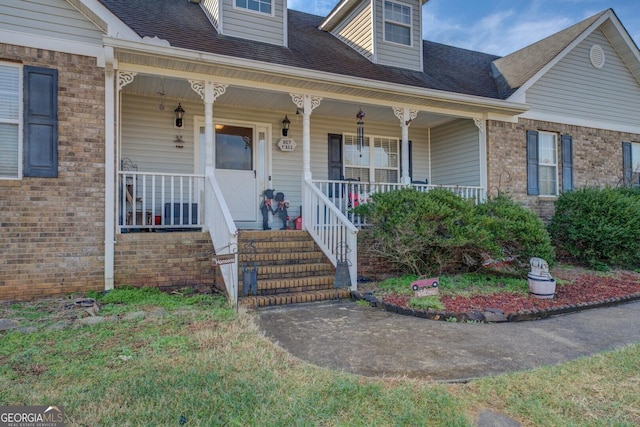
pixel 335 160
pixel 627 168
pixel 567 163
pixel 532 163
pixel 40 122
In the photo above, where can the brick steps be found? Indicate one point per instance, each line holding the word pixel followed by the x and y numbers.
pixel 294 298
pixel 291 268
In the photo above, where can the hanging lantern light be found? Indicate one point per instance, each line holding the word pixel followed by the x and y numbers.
pixel 360 131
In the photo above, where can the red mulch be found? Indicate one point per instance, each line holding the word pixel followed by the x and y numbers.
pixel 580 288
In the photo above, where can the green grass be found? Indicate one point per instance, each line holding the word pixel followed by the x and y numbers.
pixel 204 362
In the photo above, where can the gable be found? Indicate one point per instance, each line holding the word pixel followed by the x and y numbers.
pixel 48 18
pixel 574 88
pixel 357 30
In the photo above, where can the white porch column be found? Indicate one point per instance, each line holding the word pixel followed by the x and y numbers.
pixel 406 116
pixel 109 170
pixel 307 103
pixel 209 92
pixel 482 142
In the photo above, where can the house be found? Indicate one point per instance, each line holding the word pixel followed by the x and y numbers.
pixel 139 137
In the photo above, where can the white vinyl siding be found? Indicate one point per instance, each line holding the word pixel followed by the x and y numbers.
pixel 357 30
pixel 395 54
pixel 48 18
pixel 574 88
pixel 10 117
pixel 247 24
pixel 455 154
pixel 212 10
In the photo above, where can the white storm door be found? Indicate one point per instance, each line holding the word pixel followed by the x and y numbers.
pixel 235 150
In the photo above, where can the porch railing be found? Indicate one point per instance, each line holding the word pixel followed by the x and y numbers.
pixel 149 200
pixel 330 228
pixel 224 234
pixel 346 195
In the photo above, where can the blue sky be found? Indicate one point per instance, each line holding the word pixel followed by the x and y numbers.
pixel 501 26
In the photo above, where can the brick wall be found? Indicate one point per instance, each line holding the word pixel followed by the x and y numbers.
pixel 52 229
pixel 164 260
pixel 597 159
pixel 370 265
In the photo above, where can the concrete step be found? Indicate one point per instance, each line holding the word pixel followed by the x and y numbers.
pixel 294 298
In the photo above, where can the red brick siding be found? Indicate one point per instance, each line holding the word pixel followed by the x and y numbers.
pixel 52 229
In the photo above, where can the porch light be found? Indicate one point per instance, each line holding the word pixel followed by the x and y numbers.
pixel 285 125
pixel 179 115
pixel 360 131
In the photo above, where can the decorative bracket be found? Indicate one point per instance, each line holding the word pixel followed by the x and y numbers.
pixel 124 78
pixel 480 123
pixel 410 116
pixel 208 91
pixel 306 101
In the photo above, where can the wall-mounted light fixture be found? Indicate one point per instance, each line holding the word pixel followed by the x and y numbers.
pixel 179 115
pixel 285 125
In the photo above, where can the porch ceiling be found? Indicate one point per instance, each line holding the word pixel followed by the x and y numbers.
pixel 281 80
pixel 257 99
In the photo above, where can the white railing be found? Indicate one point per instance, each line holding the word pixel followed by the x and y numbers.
pixel 224 234
pixel 330 228
pixel 346 195
pixel 149 200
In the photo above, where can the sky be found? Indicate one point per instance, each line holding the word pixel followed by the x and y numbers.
pixel 501 27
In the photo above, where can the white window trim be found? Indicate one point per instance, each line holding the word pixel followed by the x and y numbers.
pixel 555 165
pixel 372 166
pixel 19 121
pixel 401 24
pixel 256 12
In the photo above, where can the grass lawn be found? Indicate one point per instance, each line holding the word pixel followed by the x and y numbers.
pixel 200 363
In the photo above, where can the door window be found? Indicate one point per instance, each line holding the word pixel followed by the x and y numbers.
pixel 234 148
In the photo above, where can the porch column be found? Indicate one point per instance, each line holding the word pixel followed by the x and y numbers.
pixel 307 103
pixel 209 92
pixel 406 116
pixel 482 142
pixel 109 171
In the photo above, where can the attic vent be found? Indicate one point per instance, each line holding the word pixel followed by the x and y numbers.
pixel 597 56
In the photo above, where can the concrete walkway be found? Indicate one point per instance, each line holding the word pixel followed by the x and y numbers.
pixel 373 342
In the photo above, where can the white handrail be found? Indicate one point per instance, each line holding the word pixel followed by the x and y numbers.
pixel 330 229
pixel 224 234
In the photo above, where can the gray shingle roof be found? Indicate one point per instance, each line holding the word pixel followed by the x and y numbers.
pixel 446 68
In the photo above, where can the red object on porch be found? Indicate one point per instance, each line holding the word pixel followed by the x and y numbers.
pixel 298 223
pixel 158 220
pixel 353 200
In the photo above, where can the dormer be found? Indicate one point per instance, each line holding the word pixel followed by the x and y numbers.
pixel 387 32
pixel 257 20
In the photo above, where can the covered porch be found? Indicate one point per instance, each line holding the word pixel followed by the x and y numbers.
pixel 208 168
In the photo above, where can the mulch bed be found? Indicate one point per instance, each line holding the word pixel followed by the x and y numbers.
pixel 583 290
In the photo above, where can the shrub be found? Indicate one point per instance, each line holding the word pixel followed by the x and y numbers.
pixel 435 232
pixel 517 231
pixel 598 227
pixel 427 233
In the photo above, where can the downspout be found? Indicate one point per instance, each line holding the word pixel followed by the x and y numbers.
pixel 109 170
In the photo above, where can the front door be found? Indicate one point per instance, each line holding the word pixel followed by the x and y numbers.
pixel 236 152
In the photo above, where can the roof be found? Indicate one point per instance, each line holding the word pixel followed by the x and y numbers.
pixel 519 67
pixel 185 25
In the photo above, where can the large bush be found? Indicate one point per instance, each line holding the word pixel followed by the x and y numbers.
pixel 435 232
pixel 598 227
pixel 518 232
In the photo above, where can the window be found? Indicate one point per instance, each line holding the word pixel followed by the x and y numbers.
pixel 371 164
pixel 631 163
pixel 10 141
pixel 397 23
pixel 28 122
pixel 262 6
pixel 542 163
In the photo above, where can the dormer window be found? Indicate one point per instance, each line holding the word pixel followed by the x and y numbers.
pixel 397 23
pixel 262 6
